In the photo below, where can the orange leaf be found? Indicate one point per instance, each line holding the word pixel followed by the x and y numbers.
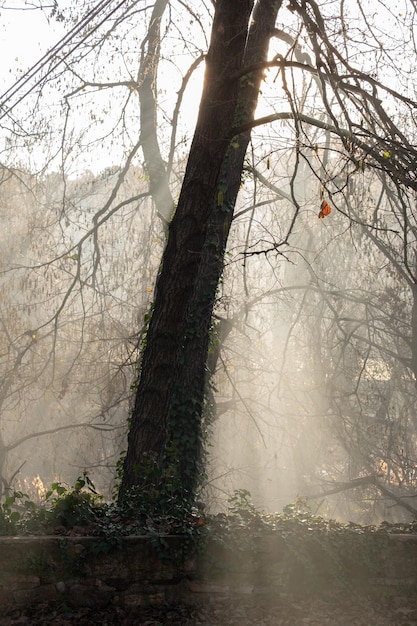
pixel 325 209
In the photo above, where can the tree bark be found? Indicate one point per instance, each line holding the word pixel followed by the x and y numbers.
pixel 185 427
pixel 162 354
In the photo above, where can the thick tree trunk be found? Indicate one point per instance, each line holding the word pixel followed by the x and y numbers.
pixel 182 256
pixel 185 428
pixel 166 419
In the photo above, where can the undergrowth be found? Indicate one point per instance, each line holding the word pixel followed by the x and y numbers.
pixel 74 508
pixel 311 550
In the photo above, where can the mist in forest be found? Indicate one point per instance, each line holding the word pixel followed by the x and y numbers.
pixel 302 405
pixel 313 341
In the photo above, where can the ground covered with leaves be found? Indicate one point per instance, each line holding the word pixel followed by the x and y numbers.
pixel 395 611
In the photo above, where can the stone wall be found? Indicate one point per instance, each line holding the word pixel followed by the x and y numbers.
pixel 84 571
pixel 79 571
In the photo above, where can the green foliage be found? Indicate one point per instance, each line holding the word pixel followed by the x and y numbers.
pixel 119 474
pixel 141 346
pixel 66 507
pixel 79 509
pixel 157 493
pixel 241 505
pixel 12 511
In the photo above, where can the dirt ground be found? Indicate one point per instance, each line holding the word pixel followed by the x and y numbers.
pixel 395 611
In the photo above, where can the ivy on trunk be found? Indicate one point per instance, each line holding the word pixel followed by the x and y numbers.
pixel 166 423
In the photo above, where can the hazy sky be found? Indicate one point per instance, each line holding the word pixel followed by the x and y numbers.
pixel 25 36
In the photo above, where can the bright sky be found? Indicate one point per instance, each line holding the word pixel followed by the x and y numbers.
pixel 25 36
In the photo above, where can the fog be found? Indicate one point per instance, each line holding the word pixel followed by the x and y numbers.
pixel 309 393
pixel 313 341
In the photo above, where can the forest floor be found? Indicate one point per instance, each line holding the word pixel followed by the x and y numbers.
pixel 395 611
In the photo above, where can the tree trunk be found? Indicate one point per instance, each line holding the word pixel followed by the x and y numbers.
pixel 413 360
pixel 185 427
pixel 166 419
pixel 147 90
